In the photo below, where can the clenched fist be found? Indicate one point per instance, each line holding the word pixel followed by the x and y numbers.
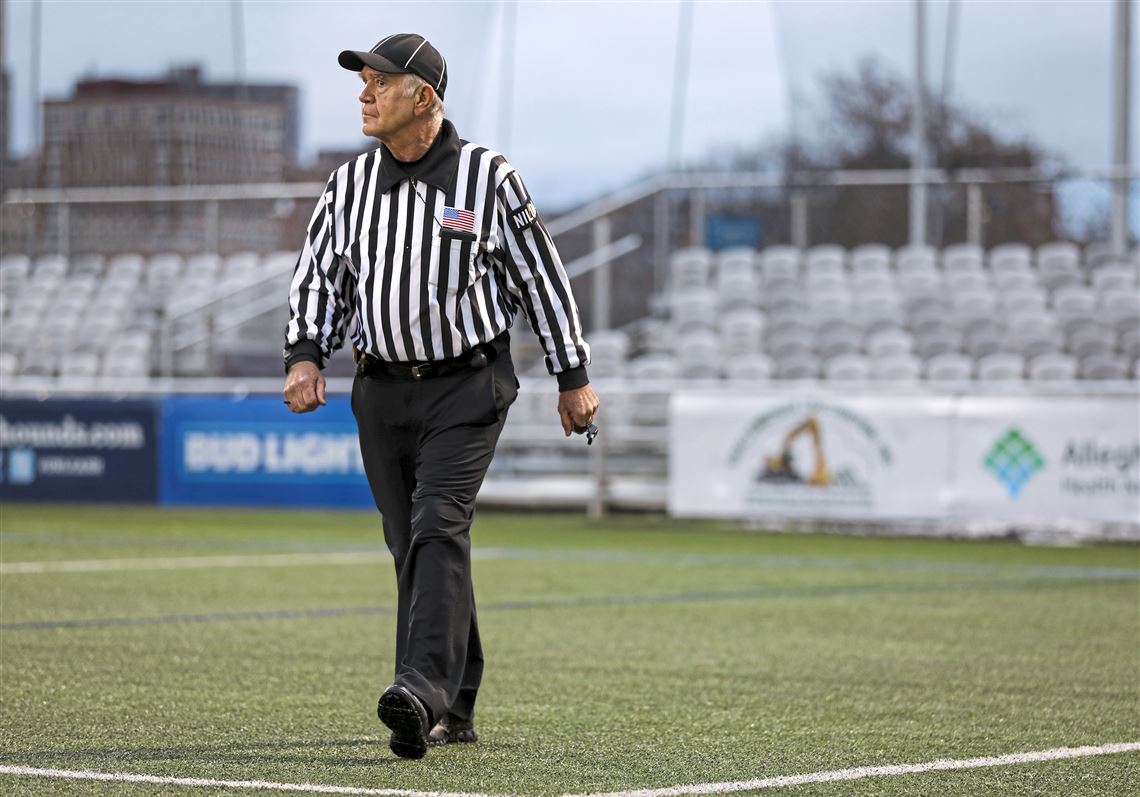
pixel 304 387
pixel 576 408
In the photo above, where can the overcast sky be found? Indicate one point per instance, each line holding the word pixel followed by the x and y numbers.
pixel 592 81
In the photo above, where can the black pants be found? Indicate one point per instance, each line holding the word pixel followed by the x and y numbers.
pixel 426 447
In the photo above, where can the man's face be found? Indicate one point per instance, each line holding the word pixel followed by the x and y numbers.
pixel 384 109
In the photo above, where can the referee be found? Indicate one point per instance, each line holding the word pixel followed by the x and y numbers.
pixel 421 253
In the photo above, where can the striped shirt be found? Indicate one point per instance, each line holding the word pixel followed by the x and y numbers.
pixel 415 262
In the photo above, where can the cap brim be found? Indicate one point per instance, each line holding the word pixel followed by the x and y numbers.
pixel 356 60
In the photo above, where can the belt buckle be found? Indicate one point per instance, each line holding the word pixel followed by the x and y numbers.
pixel 419 371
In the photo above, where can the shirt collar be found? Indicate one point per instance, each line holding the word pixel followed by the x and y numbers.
pixel 437 167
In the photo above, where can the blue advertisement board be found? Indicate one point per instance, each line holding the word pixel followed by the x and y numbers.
pixel 254 451
pixel 726 232
pixel 78 450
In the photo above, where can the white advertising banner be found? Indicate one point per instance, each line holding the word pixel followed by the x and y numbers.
pixel 821 456
pixel 1048 459
pixel 896 457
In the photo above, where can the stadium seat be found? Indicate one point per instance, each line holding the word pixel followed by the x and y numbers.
pixel 79 365
pixel 1129 343
pixel 9 364
pixel 127 268
pixel 898 368
pixel 962 259
pixel 870 259
pixel 890 342
pixel 1058 264
pixel 1015 281
pixel 847 368
pixel 967 282
pixel 984 337
pixel 797 367
pixel 694 308
pixel 742 332
pixel 1113 277
pixel 739 290
pixel 1103 366
pixel 699 355
pixel 751 368
pixel 780 261
pixel 1001 366
pixel 1091 339
pixel 916 259
pixel 1022 301
pixel 825 259
pixel 653 367
pixel 736 263
pixel 872 283
pixel 1121 309
pixel 934 341
pixel 949 367
pixel 1052 367
pixel 1011 258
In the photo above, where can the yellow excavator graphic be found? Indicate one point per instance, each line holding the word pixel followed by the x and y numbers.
pixel 779 467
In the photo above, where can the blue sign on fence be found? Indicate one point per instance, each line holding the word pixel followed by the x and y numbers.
pixel 78 450
pixel 254 451
pixel 726 232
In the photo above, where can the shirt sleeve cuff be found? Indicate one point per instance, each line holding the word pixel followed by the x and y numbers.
pixel 572 379
pixel 303 351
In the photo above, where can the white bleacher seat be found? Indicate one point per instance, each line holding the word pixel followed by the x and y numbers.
pixel 164 270
pixel 1113 277
pixel 826 282
pixel 797 367
pixel 916 259
pixel 962 259
pixel 1011 258
pixel 967 282
pixel 736 263
pixel 14 267
pixel 1052 367
pixel 780 261
pixel 1001 366
pixel 1091 339
pixel 126 365
pixel 126 267
pixel 608 352
pixel 19 332
pixel 750 367
pixel 1129 343
pixel 694 308
pixel 897 368
pixel 742 332
pixel 1058 264
pixel 203 264
pixel 948 367
pixel 653 366
pixel 872 283
pixel 9 364
pixel 789 341
pixel 1121 309
pixel 1074 300
pixel 699 355
pixel 933 341
pixel 1098 253
pixel 38 362
pixel 1103 367
pixel 825 259
pixel 870 259
pixel 1022 301
pixel 979 343
pixel 919 283
pixel 970 307
pixel 890 342
pixel 740 290
pixel 89 265
pixel 79 364
pixel 1015 281
pixel 876 313
pixel 46 267
pixel 847 368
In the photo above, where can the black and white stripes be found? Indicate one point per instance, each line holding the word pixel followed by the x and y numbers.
pixel 383 268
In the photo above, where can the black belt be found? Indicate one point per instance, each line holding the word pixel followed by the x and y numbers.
pixel 473 359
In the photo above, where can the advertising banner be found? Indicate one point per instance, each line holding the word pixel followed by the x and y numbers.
pixel 254 451
pixel 78 450
pixel 823 456
pixel 1048 458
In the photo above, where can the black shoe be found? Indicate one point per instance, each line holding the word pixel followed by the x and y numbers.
pixel 450 730
pixel 403 712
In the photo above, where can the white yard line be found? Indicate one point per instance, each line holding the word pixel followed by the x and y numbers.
pixel 192 562
pixel 726 787
pixel 311 788
pixel 873 772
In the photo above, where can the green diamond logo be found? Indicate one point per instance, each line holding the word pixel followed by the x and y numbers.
pixel 1013 460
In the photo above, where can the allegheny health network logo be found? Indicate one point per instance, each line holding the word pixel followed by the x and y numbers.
pixel 1014 460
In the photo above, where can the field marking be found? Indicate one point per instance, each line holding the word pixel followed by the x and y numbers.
pixel 366 556
pixel 192 562
pixel 858 773
pixel 311 788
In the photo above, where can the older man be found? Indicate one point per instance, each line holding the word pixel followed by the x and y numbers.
pixel 422 252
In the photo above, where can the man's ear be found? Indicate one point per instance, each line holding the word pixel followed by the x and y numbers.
pixel 424 98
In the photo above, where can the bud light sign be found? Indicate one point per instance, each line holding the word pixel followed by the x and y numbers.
pixel 255 451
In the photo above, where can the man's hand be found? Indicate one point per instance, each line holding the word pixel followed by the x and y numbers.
pixel 576 408
pixel 304 387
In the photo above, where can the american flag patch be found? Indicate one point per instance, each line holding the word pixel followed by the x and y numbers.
pixel 458 219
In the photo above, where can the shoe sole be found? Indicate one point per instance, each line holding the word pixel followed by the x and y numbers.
pixel 406 724
pixel 454 737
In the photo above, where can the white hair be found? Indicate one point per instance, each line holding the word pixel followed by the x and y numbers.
pixel 413 83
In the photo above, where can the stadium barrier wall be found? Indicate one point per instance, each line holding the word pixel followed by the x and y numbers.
pixel 881 457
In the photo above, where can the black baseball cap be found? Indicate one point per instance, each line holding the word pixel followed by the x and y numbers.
pixel 401 53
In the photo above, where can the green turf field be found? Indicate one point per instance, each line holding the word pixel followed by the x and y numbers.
pixel 636 653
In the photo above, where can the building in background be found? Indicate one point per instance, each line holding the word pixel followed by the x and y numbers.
pixel 177 130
